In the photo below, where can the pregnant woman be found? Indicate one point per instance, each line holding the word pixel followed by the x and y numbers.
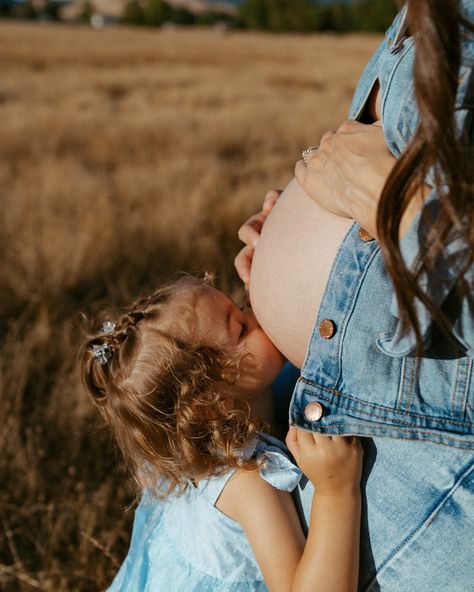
pixel 378 313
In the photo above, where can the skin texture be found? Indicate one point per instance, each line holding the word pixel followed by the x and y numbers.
pixel 290 245
pixel 347 174
pixel 267 515
pixel 272 527
pixel 290 269
pixel 221 322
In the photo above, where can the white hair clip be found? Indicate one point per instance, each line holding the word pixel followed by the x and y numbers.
pixel 102 353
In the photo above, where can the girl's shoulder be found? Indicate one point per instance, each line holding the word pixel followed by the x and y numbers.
pixel 276 471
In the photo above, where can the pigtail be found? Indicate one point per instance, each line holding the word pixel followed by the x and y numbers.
pixel 166 396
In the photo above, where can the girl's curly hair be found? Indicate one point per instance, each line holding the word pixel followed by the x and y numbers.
pixel 165 396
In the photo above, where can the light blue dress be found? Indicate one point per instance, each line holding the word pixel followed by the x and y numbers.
pixel 185 544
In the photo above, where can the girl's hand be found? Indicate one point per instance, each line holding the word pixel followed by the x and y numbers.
pixel 249 234
pixel 332 463
pixel 347 173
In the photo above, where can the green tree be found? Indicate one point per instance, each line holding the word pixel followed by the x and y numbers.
pixel 308 15
pixel 133 13
pixel 278 15
pixel 25 10
pixel 181 16
pixel 211 17
pixel 254 14
pixel 51 10
pixel 156 12
pixel 87 11
pixel 373 15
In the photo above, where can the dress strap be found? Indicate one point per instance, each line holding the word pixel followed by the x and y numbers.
pixel 274 463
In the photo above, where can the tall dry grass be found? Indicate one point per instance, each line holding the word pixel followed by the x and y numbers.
pixel 125 155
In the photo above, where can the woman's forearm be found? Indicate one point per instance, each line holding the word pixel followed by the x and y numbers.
pixel 330 562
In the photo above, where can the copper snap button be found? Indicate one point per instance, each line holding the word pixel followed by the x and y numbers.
pixel 390 42
pixel 313 411
pixel 365 236
pixel 327 328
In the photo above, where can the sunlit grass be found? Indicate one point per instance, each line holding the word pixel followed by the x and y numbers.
pixel 125 156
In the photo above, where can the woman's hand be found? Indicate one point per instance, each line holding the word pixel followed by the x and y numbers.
pixel 347 173
pixel 249 234
pixel 332 463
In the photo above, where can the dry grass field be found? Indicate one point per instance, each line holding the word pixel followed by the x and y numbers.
pixel 125 155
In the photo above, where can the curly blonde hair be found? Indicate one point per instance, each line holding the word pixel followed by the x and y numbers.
pixel 165 396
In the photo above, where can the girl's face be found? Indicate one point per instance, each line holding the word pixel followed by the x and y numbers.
pixel 220 321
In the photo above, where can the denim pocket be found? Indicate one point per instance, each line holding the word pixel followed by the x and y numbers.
pixel 437 388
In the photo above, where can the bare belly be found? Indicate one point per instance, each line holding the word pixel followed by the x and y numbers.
pixel 290 269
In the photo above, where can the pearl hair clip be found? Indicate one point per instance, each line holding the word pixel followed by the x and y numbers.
pixel 108 327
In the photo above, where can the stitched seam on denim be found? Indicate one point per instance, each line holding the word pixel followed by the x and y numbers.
pixel 396 432
pixel 363 103
pixel 349 307
pixel 396 421
pixel 411 364
pixel 417 532
pixel 399 400
pixel 381 407
pixel 400 56
pixel 455 386
pixel 315 332
pixel 465 405
pixel 352 304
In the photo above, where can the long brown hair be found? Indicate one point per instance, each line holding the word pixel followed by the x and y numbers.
pixel 436 148
pixel 163 392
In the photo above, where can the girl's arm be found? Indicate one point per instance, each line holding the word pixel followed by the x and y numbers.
pixel 329 561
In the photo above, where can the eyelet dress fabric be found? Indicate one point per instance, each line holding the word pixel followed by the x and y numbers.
pixel 185 544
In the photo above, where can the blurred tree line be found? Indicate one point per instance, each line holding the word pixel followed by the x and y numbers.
pixel 157 12
pixel 263 15
pixel 273 15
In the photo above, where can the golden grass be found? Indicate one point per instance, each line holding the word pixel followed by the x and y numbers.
pixel 125 155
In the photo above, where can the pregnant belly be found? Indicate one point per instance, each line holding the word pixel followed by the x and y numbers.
pixel 290 269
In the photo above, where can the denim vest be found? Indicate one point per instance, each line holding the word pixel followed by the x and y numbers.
pixel 361 375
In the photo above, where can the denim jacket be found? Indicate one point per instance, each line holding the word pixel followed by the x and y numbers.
pixel 361 375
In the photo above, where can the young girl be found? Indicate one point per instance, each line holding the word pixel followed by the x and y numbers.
pixel 175 378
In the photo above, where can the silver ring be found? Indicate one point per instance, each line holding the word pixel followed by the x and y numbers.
pixel 305 154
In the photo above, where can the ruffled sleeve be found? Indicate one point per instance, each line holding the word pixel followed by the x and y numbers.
pixel 275 464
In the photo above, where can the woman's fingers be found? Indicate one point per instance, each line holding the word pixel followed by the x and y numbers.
pixel 326 136
pixel 270 200
pixel 250 231
pixel 243 263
